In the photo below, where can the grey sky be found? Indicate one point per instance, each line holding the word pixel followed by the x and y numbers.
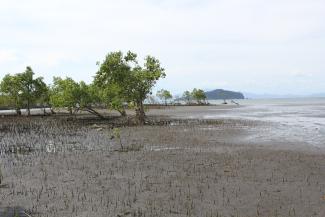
pixel 261 46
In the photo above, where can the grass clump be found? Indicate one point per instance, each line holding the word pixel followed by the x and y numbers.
pixel 117 136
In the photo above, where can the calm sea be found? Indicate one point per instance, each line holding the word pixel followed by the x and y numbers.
pixel 300 120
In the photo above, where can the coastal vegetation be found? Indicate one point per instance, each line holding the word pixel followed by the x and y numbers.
pixel 196 95
pixel 164 95
pixel 120 83
pixel 23 90
pixel 131 83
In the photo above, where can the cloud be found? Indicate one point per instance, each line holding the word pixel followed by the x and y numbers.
pixel 301 74
pixel 7 56
pixel 207 42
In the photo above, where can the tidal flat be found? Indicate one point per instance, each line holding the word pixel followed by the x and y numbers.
pixel 173 166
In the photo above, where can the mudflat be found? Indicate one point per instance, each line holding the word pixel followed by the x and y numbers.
pixel 180 164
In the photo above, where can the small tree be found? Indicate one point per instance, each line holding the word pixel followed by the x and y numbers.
pixel 43 96
pixel 23 88
pixel 41 93
pixel 133 81
pixel 11 88
pixel 74 96
pixel 28 87
pixel 113 98
pixel 86 97
pixel 164 95
pixel 199 95
pixel 64 93
pixel 187 97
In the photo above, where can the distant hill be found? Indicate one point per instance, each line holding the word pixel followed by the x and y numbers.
pixel 223 94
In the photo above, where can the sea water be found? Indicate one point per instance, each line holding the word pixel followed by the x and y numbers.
pixel 300 120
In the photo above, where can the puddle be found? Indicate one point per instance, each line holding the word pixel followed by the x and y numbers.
pixel 13 212
pixel 160 148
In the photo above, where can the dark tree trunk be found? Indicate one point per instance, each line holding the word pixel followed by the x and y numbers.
pixel 17 107
pixel 28 108
pixel 140 114
pixel 122 112
pixel 52 111
pixel 70 111
pixel 18 111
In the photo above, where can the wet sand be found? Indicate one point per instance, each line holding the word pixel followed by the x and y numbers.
pixel 183 168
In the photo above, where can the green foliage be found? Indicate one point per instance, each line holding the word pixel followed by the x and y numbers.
pixel 198 95
pixel 187 96
pixel 164 95
pixel 120 80
pixel 133 83
pixel 42 95
pixel 6 101
pixel 87 95
pixel 32 89
pixel 16 214
pixel 11 87
pixel 23 89
pixel 117 135
pixel 66 93
pixel 112 97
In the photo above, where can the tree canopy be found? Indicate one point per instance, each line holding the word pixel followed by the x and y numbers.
pixel 199 95
pixel 64 93
pixel 187 96
pixel 120 81
pixel 67 93
pixel 133 82
pixel 23 89
pixel 164 95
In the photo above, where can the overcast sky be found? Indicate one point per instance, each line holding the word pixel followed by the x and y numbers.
pixel 260 46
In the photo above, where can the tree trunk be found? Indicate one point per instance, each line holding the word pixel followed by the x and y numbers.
pixel 28 108
pixel 17 107
pixel 70 111
pixel 92 111
pixel 18 111
pixel 140 114
pixel 122 112
pixel 52 111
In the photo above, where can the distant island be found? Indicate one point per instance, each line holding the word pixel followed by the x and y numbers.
pixel 223 94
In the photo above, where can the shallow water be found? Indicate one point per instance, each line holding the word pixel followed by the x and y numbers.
pixel 35 111
pixel 294 120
